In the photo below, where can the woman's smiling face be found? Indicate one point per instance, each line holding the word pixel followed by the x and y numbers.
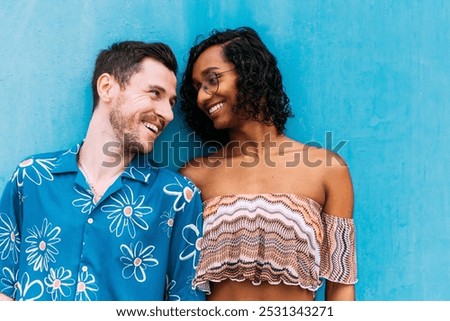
pixel 209 68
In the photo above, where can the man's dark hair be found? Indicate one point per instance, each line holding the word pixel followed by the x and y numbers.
pixel 123 59
pixel 259 83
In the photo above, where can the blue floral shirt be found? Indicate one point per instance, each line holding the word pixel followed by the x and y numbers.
pixel 139 242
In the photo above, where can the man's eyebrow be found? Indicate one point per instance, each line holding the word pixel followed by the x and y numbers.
pixel 161 89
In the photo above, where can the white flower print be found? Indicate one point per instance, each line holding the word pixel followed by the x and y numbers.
pixel 167 222
pixel 86 286
pixel 58 283
pixel 86 201
pixel 184 194
pixel 133 172
pixel 29 290
pixel 73 150
pixel 9 239
pixel 127 212
pixel 8 281
pixel 42 245
pixel 35 170
pixel 136 260
pixel 169 296
pixel 191 234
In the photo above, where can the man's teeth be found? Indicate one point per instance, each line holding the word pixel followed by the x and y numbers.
pixel 215 108
pixel 152 127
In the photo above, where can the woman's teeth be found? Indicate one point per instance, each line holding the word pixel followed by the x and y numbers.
pixel 215 108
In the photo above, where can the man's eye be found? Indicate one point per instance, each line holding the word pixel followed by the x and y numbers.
pixel 155 93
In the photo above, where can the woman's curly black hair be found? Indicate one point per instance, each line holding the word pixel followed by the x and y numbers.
pixel 259 83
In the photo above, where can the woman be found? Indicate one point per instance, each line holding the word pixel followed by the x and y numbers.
pixel 278 213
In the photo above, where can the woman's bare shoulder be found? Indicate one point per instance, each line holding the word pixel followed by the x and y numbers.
pixel 199 168
pixel 338 184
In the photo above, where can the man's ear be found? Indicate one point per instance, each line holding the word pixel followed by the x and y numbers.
pixel 106 87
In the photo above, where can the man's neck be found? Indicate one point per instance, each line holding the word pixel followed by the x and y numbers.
pixel 101 158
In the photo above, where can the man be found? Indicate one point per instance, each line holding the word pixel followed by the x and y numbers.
pixel 97 222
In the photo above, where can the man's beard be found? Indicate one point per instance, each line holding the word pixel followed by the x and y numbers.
pixel 129 140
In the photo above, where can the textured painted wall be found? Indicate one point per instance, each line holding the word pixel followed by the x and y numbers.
pixel 373 74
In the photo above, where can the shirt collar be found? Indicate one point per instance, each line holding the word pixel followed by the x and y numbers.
pixel 139 169
pixel 67 161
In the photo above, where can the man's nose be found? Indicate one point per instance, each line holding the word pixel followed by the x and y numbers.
pixel 165 111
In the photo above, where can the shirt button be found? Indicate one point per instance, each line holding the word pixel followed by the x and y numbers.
pixel 90 220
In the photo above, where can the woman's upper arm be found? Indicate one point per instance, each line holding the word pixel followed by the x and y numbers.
pixel 339 198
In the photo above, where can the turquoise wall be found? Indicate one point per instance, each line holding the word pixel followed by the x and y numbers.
pixel 373 74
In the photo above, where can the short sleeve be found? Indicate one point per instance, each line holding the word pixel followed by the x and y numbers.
pixel 10 218
pixel 338 250
pixel 184 249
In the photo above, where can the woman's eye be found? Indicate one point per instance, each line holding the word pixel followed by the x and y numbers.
pixel 211 80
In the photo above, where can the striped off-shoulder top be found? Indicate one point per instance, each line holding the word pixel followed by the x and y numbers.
pixel 274 238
